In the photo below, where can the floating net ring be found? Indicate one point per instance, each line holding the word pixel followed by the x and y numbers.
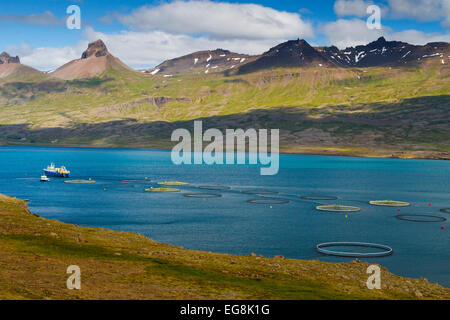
pixel 319 198
pixel 445 210
pixel 202 195
pixel 385 250
pixel 420 218
pixel 260 192
pixel 80 181
pixel 162 190
pixel 119 186
pixel 214 188
pixel 338 208
pixel 135 181
pixel 269 201
pixel 389 203
pixel 173 183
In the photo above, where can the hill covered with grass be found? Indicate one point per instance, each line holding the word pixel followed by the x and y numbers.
pixel 378 111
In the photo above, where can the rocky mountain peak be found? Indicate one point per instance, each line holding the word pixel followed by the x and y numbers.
pixel 97 48
pixel 6 58
pixel 298 44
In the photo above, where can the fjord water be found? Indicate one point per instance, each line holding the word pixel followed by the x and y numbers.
pixel 232 225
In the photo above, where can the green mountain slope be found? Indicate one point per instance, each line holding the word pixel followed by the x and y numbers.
pixel 375 111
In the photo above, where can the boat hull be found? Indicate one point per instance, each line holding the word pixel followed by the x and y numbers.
pixel 56 174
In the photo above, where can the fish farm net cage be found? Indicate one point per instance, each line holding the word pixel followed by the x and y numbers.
pixel 118 186
pixel 136 181
pixel 354 249
pixel 319 198
pixel 80 181
pixel 338 208
pixel 215 188
pixel 269 201
pixel 173 183
pixel 260 192
pixel 389 203
pixel 202 195
pixel 162 190
pixel 420 218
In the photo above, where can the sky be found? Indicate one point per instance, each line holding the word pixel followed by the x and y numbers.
pixel 145 33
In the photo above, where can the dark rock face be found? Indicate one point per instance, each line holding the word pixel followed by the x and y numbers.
pixel 97 48
pixel 6 58
pixel 202 62
pixel 383 53
pixel 296 53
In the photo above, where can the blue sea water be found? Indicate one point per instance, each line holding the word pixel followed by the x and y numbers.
pixel 232 225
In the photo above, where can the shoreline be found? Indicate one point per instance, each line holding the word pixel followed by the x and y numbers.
pixel 401 155
pixel 130 265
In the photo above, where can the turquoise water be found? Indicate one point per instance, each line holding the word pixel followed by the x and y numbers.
pixel 232 225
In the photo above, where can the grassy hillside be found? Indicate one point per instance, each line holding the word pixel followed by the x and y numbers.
pixel 35 253
pixel 377 111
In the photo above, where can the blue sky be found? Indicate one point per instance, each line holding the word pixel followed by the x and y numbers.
pixel 144 33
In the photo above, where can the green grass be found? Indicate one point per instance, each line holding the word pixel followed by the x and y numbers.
pixel 35 253
pixel 342 102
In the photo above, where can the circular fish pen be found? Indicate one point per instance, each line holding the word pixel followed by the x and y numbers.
pixel 202 195
pixel 338 208
pixel 319 198
pixel 119 186
pixel 445 210
pixel 80 181
pixel 136 181
pixel 389 203
pixel 260 192
pixel 423 218
pixel 269 201
pixel 215 188
pixel 173 183
pixel 382 250
pixel 162 190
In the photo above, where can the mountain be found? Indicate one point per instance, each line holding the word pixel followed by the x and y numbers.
pixel 299 53
pixel 11 66
pixel 289 54
pixel 385 53
pixel 94 61
pixel 398 109
pixel 202 62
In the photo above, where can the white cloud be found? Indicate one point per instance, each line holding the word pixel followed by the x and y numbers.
pixel 47 58
pixel 422 10
pixel 418 37
pixel 43 19
pixel 138 49
pixel 149 48
pixel 218 20
pixel 349 33
pixel 356 8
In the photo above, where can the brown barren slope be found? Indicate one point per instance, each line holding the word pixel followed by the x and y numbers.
pixel 94 61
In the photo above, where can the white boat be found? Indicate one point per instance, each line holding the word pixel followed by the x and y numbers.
pixel 44 178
